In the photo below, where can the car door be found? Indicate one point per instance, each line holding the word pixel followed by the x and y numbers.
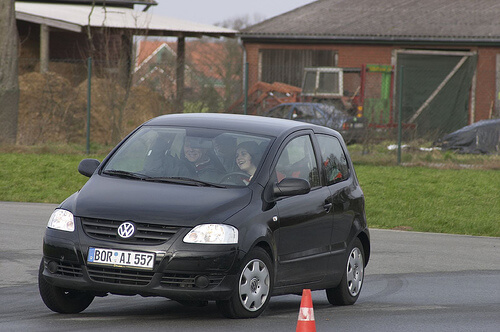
pixel 339 182
pixel 305 221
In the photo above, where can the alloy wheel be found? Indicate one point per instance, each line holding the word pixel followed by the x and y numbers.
pixel 355 271
pixel 254 285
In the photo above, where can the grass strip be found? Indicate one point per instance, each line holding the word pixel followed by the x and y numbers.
pixel 432 200
pixel 457 201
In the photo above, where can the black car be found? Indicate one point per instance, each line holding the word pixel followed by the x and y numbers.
pixel 211 207
pixel 352 128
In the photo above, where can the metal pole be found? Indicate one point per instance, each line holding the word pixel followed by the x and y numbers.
pixel 44 48
pixel 89 85
pixel 245 109
pixel 179 72
pixel 400 111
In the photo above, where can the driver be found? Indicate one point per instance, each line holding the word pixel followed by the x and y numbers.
pixel 247 157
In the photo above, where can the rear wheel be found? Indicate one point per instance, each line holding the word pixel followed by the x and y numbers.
pixel 64 301
pixel 253 290
pixel 347 292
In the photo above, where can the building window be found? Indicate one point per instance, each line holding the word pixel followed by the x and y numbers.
pixel 287 66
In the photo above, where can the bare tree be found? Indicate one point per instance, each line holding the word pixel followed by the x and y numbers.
pixel 241 22
pixel 9 83
pixel 112 50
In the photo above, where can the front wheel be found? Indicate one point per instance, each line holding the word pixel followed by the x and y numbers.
pixel 254 287
pixel 64 301
pixel 347 292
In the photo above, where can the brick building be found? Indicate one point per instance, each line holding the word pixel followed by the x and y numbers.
pixel 450 47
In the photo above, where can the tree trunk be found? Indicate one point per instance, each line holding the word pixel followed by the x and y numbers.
pixel 9 83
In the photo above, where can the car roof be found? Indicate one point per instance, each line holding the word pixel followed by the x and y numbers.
pixel 233 122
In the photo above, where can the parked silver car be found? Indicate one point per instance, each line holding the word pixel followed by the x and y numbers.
pixel 351 128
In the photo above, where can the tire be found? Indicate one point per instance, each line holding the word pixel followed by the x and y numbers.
pixel 347 292
pixel 253 289
pixel 64 301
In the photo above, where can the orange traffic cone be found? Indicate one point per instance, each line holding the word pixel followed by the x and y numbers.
pixel 306 322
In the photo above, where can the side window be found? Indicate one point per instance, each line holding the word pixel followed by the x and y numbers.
pixel 334 159
pixel 303 113
pixel 280 112
pixel 297 160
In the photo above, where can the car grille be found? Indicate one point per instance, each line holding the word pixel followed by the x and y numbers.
pixel 67 269
pixel 103 229
pixel 187 280
pixel 119 276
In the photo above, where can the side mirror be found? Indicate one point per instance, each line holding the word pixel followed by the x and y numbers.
pixel 87 167
pixel 291 187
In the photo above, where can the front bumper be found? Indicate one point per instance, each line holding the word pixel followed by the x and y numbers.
pixel 181 271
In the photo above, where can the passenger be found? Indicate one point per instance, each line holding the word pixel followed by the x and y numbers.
pixel 225 148
pixel 198 160
pixel 247 158
pixel 160 163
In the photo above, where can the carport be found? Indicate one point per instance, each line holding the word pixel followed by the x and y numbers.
pixel 83 20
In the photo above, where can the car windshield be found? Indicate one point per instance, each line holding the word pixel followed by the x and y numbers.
pixel 189 156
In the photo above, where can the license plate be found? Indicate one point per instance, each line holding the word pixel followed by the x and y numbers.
pixel 359 125
pixel 121 258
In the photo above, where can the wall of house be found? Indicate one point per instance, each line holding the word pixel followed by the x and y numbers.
pixel 66 50
pixel 486 83
pixel 356 55
pixel 29 46
pixel 68 45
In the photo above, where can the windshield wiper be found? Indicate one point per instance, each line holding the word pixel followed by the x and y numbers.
pixel 177 180
pixel 127 174
pixel 183 180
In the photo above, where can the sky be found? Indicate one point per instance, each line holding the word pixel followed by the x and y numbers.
pixel 216 11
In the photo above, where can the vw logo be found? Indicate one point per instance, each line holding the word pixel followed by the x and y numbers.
pixel 126 230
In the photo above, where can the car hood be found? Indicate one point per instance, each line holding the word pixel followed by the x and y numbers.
pixel 122 199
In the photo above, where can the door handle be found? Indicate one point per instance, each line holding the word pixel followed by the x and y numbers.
pixel 328 207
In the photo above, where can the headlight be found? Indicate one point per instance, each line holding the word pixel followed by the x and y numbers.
pixel 212 234
pixel 62 220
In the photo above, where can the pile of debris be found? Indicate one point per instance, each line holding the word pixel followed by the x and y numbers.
pixel 482 137
pixel 262 96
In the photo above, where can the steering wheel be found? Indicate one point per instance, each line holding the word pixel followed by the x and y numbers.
pixel 237 178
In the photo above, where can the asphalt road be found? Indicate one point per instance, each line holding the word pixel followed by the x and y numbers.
pixel 414 282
